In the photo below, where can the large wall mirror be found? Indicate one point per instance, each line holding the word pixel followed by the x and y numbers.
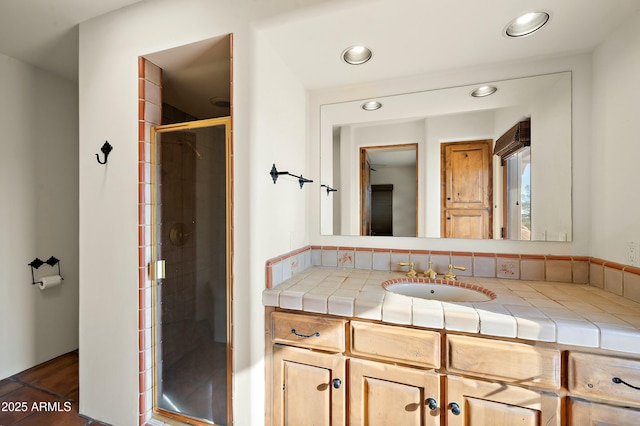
pixel 446 164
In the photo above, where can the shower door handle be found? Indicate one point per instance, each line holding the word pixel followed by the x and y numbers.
pixel 158 269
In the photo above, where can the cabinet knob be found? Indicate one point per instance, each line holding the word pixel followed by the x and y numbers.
pixel 432 404
pixel 337 383
pixel 455 408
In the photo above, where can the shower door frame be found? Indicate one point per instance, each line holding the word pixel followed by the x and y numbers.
pixel 155 130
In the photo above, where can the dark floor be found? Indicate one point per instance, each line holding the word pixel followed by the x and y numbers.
pixel 46 394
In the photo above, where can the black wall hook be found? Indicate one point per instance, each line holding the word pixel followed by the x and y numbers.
pixel 106 149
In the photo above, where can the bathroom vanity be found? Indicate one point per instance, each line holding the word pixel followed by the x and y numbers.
pixel 376 366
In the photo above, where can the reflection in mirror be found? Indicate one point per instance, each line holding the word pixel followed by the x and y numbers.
pixel 523 192
pixel 389 190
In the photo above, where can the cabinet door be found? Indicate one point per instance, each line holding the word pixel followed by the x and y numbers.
pixel 382 394
pixel 582 413
pixel 308 387
pixel 478 403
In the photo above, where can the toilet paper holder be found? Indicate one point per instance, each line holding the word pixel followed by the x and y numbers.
pixel 36 263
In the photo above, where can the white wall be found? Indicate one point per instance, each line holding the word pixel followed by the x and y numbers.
pixel 580 65
pixel 38 214
pixel 269 127
pixel 615 203
pixel 551 209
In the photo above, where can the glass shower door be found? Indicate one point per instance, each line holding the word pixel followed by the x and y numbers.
pixel 192 286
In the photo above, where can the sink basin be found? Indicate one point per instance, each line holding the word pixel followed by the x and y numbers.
pixel 441 290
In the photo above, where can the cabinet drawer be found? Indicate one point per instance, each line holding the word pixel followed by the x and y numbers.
pixel 307 331
pixel 397 344
pixel 593 376
pixel 509 362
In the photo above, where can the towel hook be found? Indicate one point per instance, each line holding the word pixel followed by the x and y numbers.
pixel 106 149
pixel 329 189
pixel 275 173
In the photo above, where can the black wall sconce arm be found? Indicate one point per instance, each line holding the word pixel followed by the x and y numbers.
pixel 329 189
pixel 106 149
pixel 275 173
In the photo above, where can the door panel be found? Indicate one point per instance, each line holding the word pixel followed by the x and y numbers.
pixel 365 190
pixel 583 413
pixel 467 195
pixel 480 403
pixel 481 412
pixel 309 387
pixel 467 223
pixel 191 221
pixel 382 394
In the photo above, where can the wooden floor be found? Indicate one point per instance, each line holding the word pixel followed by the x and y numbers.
pixel 46 394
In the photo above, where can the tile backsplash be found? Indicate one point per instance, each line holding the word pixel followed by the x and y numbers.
pixel 616 278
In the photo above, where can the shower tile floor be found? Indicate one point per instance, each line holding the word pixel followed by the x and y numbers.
pixel 55 385
pixel 195 382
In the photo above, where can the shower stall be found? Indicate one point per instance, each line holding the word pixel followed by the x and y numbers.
pixel 192 270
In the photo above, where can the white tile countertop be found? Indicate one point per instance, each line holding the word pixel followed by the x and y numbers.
pixel 572 314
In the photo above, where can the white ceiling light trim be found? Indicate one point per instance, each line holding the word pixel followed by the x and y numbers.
pixel 357 55
pixel 527 24
pixel 371 106
pixel 483 91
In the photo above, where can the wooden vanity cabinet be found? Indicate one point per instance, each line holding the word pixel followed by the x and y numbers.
pixel 382 394
pixel 325 370
pixel 506 364
pixel 309 370
pixel 603 379
pixel 581 412
pixel 308 387
pixel 480 403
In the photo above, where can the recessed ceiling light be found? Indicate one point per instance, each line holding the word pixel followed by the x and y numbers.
pixel 220 102
pixel 356 55
pixel 483 91
pixel 371 106
pixel 526 24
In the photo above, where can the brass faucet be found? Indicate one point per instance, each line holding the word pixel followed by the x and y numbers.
pixel 450 276
pixel 430 273
pixel 412 273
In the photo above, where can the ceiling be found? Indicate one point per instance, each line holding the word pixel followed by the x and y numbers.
pixel 408 37
pixel 44 33
pixel 411 37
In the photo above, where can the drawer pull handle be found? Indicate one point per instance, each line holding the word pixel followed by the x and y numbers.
pixel 619 380
pixel 455 408
pixel 305 336
pixel 336 383
pixel 432 404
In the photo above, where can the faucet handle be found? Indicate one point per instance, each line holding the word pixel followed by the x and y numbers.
pixel 450 276
pixel 412 273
